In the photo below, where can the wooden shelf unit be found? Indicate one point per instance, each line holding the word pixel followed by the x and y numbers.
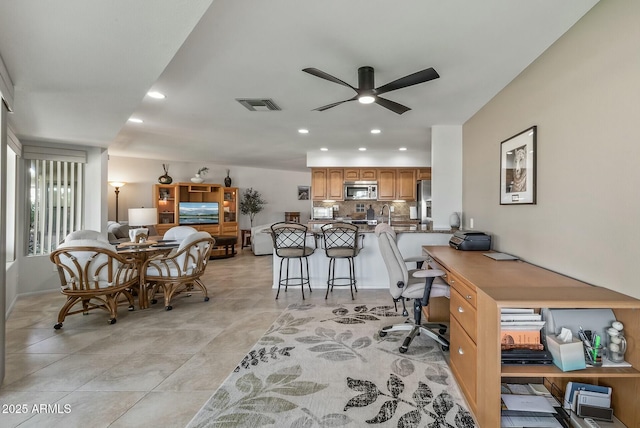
pixel 480 287
pixel 167 197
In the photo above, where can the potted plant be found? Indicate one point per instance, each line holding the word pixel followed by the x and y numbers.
pixel 201 172
pixel 251 203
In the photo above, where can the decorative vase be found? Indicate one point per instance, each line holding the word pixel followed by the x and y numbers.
pixel 197 179
pixel 454 220
pixel 166 178
pixel 227 180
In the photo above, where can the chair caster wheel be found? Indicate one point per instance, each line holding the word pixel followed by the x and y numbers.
pixel 444 348
pixel 168 308
pixel 58 326
pixel 154 301
pixel 112 321
pixel 130 308
pixel 206 299
pixel 382 333
pixel 442 331
pixel 403 349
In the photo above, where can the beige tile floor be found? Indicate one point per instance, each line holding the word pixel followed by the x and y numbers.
pixel 153 368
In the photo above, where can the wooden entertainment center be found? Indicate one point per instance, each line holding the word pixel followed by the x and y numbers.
pixel 167 199
pixel 481 286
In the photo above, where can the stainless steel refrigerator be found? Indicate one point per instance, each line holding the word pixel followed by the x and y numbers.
pixel 424 201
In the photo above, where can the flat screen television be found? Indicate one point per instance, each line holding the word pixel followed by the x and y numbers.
pixel 198 213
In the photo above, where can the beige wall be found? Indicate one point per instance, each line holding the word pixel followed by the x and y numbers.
pixel 583 93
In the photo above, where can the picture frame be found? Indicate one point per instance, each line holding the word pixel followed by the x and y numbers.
pixel 303 193
pixel 518 168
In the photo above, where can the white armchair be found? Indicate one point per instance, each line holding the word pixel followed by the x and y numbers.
pixel 261 242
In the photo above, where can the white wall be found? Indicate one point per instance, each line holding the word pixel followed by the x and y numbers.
pixel 446 174
pixel 278 188
pixel 583 93
pixel 347 158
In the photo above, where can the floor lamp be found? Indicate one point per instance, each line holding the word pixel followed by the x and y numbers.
pixel 117 185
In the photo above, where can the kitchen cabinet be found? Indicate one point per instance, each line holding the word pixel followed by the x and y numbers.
pixel 386 184
pixel 406 184
pixel 360 174
pixel 335 184
pixel 424 173
pixel 318 184
pixel 327 184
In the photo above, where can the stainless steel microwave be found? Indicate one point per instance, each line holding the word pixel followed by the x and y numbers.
pixel 360 190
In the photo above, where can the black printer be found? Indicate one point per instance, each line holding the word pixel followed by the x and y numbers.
pixel 470 240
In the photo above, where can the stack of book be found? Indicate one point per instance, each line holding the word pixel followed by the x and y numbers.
pixel 520 329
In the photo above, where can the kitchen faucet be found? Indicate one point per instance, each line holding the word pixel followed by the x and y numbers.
pixel 388 212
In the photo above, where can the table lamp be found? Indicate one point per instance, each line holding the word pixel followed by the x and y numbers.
pixel 141 217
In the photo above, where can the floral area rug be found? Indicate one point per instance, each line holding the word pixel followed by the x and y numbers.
pixel 321 366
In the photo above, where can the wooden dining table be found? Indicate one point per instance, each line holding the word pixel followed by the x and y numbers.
pixel 141 252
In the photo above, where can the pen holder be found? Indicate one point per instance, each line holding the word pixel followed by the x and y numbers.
pixel 595 355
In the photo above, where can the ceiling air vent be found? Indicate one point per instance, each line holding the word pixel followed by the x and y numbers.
pixel 258 104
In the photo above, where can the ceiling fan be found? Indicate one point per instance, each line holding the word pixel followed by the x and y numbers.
pixel 367 93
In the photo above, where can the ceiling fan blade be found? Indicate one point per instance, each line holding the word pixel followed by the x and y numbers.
pixel 392 105
pixel 410 80
pixel 328 106
pixel 330 78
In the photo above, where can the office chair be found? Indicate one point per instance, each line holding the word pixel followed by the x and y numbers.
pixel 405 284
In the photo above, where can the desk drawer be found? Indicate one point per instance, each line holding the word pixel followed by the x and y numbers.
pixel 462 310
pixel 463 288
pixel 463 358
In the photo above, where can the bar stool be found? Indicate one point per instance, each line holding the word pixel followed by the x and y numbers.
pixel 289 242
pixel 340 242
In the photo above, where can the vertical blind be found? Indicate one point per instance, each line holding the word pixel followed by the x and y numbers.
pixel 56 203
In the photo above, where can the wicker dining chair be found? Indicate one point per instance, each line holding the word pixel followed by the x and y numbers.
pixel 94 275
pixel 180 270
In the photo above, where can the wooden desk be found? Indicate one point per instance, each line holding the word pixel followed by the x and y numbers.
pixel 481 286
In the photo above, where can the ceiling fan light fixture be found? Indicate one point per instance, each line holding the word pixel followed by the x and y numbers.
pixel 366 99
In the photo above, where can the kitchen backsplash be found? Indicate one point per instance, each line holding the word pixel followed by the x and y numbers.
pixel 357 209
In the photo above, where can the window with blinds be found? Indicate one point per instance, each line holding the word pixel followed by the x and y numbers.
pixel 56 203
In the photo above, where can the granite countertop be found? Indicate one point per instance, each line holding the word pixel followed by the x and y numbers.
pixel 398 228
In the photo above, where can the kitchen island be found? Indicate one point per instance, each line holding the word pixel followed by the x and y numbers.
pixel 370 269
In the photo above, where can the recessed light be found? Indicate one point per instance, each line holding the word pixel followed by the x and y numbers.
pixel 303 131
pixel 375 131
pixel 156 95
pixel 362 149
pixel 403 149
pixel 324 149
pixel 135 120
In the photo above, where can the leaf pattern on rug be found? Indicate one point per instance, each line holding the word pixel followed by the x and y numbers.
pixel 441 405
pixel 286 324
pixel 361 314
pixel 333 346
pixel 260 398
pixel 254 357
pixel 295 377
pixel 310 420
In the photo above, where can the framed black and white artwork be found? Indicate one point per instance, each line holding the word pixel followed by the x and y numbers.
pixel 518 168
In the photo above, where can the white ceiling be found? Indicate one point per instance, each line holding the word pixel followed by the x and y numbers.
pixel 82 68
